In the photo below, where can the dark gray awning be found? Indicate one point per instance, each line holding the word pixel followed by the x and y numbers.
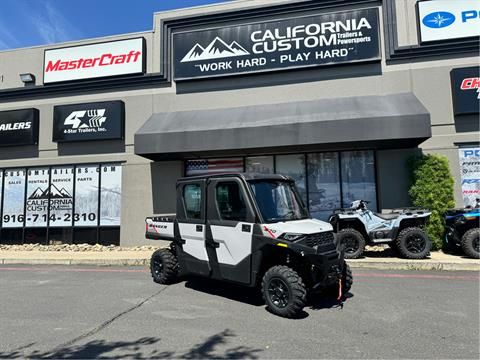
pixel 390 121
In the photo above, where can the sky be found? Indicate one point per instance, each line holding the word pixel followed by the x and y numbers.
pixel 26 23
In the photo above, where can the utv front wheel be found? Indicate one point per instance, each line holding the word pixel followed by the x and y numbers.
pixel 164 266
pixel 283 291
pixel 353 241
pixel 471 243
pixel 413 243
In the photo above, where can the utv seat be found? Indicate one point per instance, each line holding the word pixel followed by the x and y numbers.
pixel 387 216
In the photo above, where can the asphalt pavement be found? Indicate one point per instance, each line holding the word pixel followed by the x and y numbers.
pixel 91 312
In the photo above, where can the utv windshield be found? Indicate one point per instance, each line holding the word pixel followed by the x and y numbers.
pixel 278 200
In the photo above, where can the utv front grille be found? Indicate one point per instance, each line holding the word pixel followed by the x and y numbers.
pixel 325 241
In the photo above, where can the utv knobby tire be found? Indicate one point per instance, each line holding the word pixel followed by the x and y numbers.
pixel 164 266
pixel 283 291
pixel 347 279
pixel 353 241
pixel 471 243
pixel 413 243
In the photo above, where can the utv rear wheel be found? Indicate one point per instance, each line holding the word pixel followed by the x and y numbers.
pixel 471 243
pixel 413 243
pixel 164 266
pixel 283 291
pixel 353 241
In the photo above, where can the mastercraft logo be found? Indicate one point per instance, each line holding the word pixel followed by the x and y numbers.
pixel 439 19
pixel 217 49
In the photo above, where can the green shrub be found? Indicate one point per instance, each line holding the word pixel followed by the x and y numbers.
pixel 432 187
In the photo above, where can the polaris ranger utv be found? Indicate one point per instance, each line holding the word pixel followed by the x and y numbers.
pixel 463 230
pixel 252 230
pixel 402 229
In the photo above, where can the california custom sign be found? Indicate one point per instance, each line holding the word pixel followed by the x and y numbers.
pixel 94 60
pixel 92 121
pixel 316 40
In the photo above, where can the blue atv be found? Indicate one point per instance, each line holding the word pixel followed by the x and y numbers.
pixel 402 229
pixel 463 231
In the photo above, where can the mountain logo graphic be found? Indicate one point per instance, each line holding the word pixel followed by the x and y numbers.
pixel 51 192
pixel 217 49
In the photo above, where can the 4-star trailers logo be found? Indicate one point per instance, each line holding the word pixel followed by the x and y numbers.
pixel 305 41
pixel 85 121
pixel 91 121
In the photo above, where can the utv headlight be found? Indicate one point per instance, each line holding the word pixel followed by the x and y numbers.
pixel 460 220
pixel 290 236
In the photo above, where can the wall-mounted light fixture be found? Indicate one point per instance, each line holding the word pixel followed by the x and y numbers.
pixel 27 78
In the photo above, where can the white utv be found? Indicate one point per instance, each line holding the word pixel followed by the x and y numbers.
pixel 252 230
pixel 403 229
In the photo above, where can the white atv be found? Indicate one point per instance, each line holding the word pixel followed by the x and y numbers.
pixel 252 230
pixel 402 229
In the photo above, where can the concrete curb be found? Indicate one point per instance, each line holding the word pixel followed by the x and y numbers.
pixel 395 264
pixel 96 262
pixel 414 265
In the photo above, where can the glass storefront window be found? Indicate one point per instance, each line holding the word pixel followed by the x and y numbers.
pixel 294 167
pixel 323 184
pixel 259 164
pixel 358 177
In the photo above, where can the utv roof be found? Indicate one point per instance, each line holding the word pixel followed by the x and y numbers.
pixel 245 176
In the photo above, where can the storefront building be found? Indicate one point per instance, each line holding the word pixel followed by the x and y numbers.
pixel 337 94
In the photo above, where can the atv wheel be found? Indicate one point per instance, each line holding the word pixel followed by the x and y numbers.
pixel 164 266
pixel 354 242
pixel 347 279
pixel 413 243
pixel 471 243
pixel 283 291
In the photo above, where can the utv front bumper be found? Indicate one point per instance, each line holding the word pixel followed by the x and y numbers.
pixel 327 268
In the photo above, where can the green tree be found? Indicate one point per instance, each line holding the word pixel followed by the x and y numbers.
pixel 432 188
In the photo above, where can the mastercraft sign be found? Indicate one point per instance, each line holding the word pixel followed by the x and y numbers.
pixel 326 39
pixel 94 61
pixel 448 19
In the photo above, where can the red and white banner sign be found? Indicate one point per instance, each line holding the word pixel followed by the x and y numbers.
pixel 94 61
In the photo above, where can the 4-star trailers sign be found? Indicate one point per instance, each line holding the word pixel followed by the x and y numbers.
pixel 314 40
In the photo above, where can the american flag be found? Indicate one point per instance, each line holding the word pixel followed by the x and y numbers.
pixel 213 166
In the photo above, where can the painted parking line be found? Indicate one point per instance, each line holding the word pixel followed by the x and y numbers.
pixel 417 276
pixel 143 270
pixel 73 269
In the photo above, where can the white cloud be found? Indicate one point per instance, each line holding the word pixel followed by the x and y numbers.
pixel 7 39
pixel 52 26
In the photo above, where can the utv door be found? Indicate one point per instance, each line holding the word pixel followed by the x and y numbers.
pixel 191 211
pixel 229 229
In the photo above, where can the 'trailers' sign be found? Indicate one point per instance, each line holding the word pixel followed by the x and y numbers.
pixel 335 38
pixel 19 127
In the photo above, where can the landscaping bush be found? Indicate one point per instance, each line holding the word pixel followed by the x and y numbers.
pixel 432 187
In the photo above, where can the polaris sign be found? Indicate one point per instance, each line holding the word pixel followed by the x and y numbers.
pixel 326 39
pixel 19 127
pixel 447 19
pixel 92 121
pixel 94 61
